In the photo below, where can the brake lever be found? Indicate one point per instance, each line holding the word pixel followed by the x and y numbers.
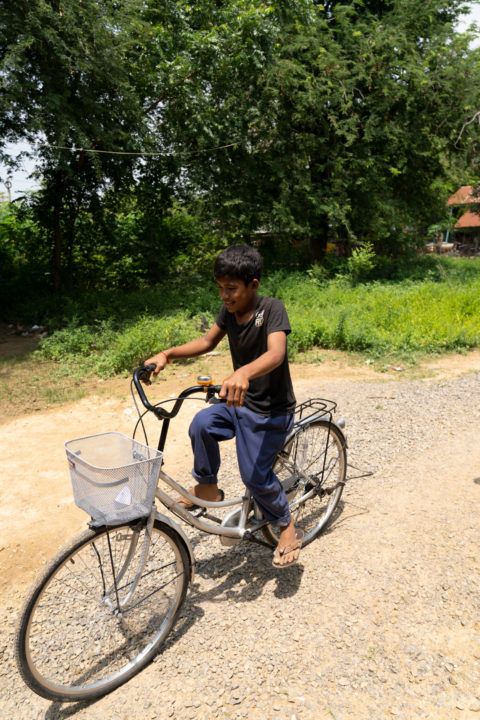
pixel 211 392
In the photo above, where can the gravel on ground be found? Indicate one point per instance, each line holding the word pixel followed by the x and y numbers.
pixel 380 617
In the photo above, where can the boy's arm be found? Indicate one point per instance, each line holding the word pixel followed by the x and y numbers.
pixel 199 346
pixel 235 386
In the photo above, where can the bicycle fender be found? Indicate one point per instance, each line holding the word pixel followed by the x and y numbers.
pixel 168 521
pixel 339 424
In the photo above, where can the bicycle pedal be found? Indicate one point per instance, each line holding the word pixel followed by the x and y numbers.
pixel 213 518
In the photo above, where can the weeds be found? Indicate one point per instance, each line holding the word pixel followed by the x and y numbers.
pixel 408 317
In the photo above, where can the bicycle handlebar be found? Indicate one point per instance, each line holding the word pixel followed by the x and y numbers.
pixel 142 373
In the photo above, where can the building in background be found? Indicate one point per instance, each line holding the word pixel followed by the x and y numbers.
pixel 466 230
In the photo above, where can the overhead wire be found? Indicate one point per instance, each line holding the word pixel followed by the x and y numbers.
pixel 137 154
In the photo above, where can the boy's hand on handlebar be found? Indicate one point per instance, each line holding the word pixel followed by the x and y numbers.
pixel 234 388
pixel 160 361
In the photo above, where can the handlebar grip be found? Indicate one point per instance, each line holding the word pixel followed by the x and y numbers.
pixel 145 371
pixel 142 373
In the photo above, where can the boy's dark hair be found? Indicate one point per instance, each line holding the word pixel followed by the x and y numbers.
pixel 239 261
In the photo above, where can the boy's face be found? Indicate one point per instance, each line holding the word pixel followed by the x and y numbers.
pixel 238 297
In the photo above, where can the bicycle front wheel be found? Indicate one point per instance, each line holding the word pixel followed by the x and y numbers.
pixel 312 468
pixel 80 636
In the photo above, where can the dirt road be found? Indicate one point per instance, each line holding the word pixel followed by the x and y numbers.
pixel 379 619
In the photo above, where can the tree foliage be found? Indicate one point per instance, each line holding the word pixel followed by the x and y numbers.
pixel 104 76
pixel 351 124
pixel 306 120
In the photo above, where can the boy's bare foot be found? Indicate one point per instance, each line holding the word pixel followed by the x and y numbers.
pixel 288 548
pixel 211 493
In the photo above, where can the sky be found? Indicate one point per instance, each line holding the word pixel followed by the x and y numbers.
pixel 20 181
pixel 474 16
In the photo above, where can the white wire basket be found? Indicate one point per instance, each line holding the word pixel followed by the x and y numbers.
pixel 113 477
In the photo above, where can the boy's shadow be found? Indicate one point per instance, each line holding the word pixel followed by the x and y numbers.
pixel 242 573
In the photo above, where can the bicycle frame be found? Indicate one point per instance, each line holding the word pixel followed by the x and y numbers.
pixel 194 518
pixel 305 413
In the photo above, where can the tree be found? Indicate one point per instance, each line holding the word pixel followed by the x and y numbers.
pixel 67 81
pixel 345 133
pixel 130 77
pixel 311 120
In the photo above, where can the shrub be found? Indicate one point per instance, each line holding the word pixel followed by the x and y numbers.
pixel 361 263
pixel 104 350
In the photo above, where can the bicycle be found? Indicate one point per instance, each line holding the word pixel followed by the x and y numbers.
pixel 104 605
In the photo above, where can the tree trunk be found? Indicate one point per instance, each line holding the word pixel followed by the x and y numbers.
pixel 57 239
pixel 68 250
pixel 318 242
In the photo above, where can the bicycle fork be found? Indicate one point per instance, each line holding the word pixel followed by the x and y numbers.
pixel 113 591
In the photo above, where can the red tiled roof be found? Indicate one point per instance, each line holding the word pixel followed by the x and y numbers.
pixel 468 220
pixel 463 196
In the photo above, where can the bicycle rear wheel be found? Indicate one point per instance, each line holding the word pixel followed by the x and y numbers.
pixel 73 643
pixel 311 468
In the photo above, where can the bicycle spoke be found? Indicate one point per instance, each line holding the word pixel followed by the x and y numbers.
pixel 75 638
pixel 313 475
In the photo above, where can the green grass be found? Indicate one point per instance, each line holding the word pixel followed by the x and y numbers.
pixel 107 349
pixel 429 307
pixel 379 319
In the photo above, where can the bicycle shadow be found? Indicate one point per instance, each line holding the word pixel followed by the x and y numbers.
pixel 240 575
pixel 242 572
pixel 58 711
pixel 188 617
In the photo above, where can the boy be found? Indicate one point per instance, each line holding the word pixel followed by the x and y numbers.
pixel 259 396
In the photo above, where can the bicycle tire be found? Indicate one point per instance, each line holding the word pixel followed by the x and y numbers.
pixel 71 645
pixel 318 450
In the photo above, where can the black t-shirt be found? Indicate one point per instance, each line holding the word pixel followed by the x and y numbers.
pixel 271 394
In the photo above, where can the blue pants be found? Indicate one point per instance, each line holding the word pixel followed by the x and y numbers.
pixel 259 439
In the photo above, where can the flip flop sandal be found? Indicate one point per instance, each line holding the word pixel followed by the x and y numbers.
pixel 183 502
pixel 289 549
